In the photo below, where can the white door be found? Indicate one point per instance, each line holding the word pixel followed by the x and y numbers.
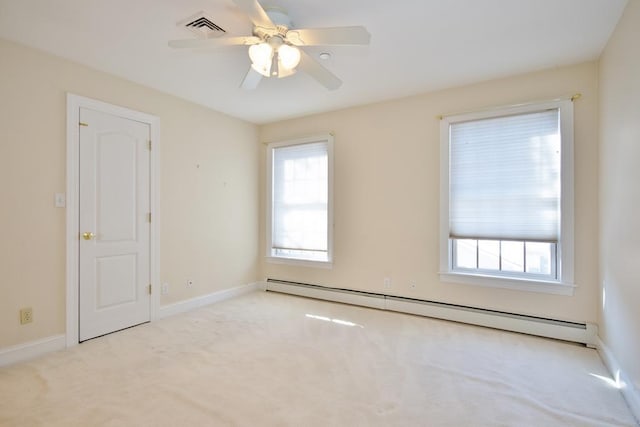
pixel 114 223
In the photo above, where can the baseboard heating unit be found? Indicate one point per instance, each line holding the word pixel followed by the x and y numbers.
pixel 578 332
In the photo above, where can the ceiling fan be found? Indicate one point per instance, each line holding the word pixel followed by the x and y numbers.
pixel 274 47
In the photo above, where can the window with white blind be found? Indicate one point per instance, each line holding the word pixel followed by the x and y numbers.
pixel 507 197
pixel 300 201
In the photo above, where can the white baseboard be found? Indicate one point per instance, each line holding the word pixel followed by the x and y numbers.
pixel 491 320
pixel 364 300
pixel 32 349
pixel 193 303
pixel 582 332
pixel 627 388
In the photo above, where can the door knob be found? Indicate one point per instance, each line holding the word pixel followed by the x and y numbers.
pixel 88 235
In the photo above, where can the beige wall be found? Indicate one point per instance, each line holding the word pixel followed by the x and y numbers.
pixel 387 189
pixel 208 229
pixel 620 193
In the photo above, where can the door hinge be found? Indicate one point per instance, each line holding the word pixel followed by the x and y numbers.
pixel 149 145
pixel 83 124
pixel 149 217
pixel 149 287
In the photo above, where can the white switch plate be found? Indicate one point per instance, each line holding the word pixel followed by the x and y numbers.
pixel 61 200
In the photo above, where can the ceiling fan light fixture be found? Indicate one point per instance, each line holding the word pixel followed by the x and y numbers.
pixel 274 58
pixel 284 71
pixel 274 64
pixel 261 55
pixel 275 49
pixel 289 56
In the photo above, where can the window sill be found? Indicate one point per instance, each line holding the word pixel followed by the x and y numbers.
pixel 300 262
pixel 527 285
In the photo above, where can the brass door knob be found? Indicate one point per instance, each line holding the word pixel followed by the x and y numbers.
pixel 88 235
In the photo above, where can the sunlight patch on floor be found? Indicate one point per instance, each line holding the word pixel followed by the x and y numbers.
pixel 615 383
pixel 328 319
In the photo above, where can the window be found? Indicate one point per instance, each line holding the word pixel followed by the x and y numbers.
pixel 300 217
pixel 507 197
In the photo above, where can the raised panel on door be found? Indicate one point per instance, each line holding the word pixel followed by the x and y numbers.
pixel 116 174
pixel 116 280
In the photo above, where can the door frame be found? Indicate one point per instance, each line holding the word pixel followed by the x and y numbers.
pixel 74 103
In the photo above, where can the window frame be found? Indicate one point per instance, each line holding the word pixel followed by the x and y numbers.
pixel 564 282
pixel 278 259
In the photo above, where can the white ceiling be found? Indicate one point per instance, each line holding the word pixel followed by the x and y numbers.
pixel 416 46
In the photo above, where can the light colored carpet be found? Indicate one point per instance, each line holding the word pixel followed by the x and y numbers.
pixel 266 359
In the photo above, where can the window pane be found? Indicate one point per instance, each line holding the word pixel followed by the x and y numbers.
pixel 300 198
pixel 504 177
pixel 466 253
pixel 489 254
pixel 513 256
pixel 538 257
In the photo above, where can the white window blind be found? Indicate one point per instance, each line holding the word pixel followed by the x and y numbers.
pixel 300 197
pixel 505 178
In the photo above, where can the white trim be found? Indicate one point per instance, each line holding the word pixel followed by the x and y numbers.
pixel 503 322
pixel 154 206
pixel 565 254
pixel 502 107
pixel 566 250
pixel 30 350
pixel 629 391
pixel 201 301
pixel 581 332
pixel 445 242
pixel 25 351
pixel 527 285
pixel 328 295
pixel 74 103
pixel 301 262
pixel 328 137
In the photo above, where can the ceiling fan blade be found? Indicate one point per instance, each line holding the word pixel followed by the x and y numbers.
pixel 256 13
pixel 329 36
pixel 251 80
pixel 214 42
pixel 325 77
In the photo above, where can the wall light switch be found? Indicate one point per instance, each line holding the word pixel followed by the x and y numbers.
pixel 61 200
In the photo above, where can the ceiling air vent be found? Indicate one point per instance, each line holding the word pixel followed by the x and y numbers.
pixel 202 25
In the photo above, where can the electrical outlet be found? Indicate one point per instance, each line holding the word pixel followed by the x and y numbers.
pixel 189 283
pixel 412 284
pixel 165 289
pixel 387 282
pixel 26 315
